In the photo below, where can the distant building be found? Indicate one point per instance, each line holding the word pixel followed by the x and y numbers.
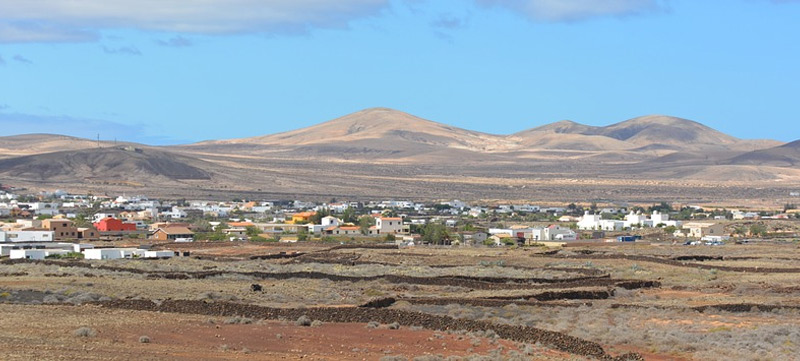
pixel 118 253
pixel 700 230
pixel 390 225
pixel 342 230
pixel 27 236
pixel 171 234
pixel 302 218
pixel 114 225
pixel 63 228
pixel 34 253
pixel 66 229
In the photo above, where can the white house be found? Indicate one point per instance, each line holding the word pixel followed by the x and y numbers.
pixel 390 225
pixel 325 222
pixel 159 254
pixel 635 220
pixel 117 253
pixel 558 233
pixel 34 253
pixel 44 208
pixel 702 229
pixel 27 236
pixel 97 217
pixel 590 221
pixel 5 249
pixel 632 220
pixel 738 215
pixel 658 218
pixel 103 253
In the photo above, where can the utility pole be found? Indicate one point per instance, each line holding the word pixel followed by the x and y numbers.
pixel 98 140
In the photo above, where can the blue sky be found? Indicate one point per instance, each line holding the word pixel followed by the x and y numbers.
pixel 166 71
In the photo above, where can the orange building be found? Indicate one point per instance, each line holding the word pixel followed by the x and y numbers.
pixel 302 218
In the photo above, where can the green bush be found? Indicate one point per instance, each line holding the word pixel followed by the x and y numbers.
pixel 70 255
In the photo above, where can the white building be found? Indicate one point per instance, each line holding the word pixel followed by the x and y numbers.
pixel 325 222
pixel 590 221
pixel 104 253
pixel 159 254
pixel 633 220
pixel 117 253
pixel 5 249
pixel 27 236
pixel 558 233
pixel 44 208
pixel 390 225
pixel 739 215
pixel 97 217
pixel 34 253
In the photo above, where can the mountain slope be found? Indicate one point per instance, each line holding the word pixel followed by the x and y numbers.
pixel 124 163
pixel 652 132
pixel 382 125
pixel 660 129
pixel 26 144
pixel 787 155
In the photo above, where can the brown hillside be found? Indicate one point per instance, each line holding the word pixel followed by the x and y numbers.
pixel 108 163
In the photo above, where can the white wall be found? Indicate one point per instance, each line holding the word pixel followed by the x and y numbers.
pixel 27 236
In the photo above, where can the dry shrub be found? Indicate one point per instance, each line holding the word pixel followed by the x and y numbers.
pixel 84 332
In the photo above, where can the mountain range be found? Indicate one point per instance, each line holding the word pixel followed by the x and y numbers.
pixel 384 149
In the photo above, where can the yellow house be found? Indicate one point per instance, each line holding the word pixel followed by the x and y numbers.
pixel 302 218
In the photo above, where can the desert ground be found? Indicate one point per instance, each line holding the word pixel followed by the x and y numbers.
pixel 365 302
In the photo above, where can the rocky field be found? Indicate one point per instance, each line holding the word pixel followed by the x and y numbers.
pixel 250 301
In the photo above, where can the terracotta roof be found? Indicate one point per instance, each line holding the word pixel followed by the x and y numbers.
pixel 240 224
pixel 391 219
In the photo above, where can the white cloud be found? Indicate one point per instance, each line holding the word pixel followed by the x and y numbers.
pixel 65 20
pixel 573 10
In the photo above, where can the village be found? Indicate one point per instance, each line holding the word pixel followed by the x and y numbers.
pixel 59 224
